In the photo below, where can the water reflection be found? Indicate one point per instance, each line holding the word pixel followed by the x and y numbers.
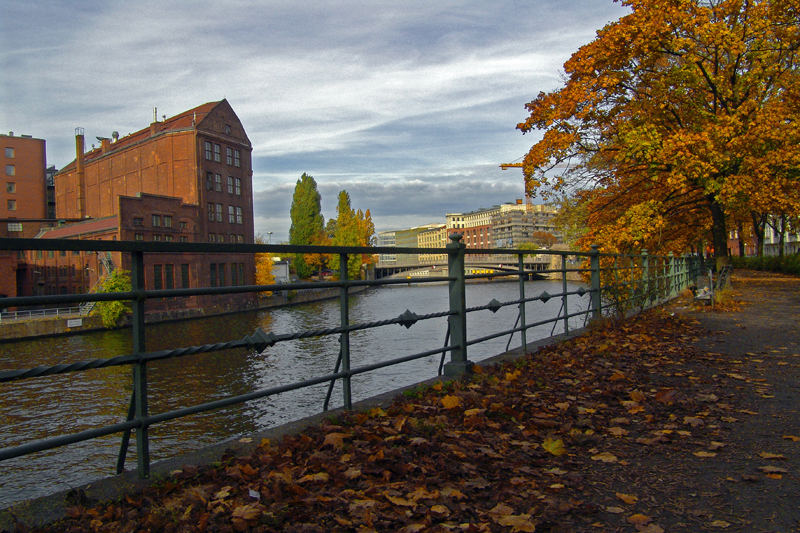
pixel 46 407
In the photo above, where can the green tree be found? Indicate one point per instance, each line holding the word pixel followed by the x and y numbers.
pixel 110 311
pixel 346 234
pixel 307 220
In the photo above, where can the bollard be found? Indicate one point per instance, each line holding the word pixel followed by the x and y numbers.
pixel 458 364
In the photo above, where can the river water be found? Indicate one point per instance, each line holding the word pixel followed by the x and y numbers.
pixel 46 407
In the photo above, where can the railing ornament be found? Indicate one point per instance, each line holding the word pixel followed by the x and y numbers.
pixel 544 296
pixel 494 305
pixel 408 319
pixel 260 340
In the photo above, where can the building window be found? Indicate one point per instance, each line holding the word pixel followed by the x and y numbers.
pixel 15 226
pixel 236 162
pixel 156 221
pixel 213 274
pixel 167 221
pixel 156 237
pixel 241 273
pixel 228 155
pixel 184 238
pixel 240 238
pixel 208 150
pixel 227 129
pixel 11 170
pixel 157 281
pixel 138 221
pixel 219 212
pixel 217 157
pixel 238 186
pixel 185 275
pixel 230 184
pixel 168 238
pixel 169 277
pixel 221 272
pixel 210 212
pixel 217 183
pixel 11 187
pixel 231 215
pixel 182 225
pixel 234 272
pixel 12 205
pixel 138 236
pixel 209 180
pixel 10 153
pixel 239 215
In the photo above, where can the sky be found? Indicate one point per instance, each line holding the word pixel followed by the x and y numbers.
pixel 410 106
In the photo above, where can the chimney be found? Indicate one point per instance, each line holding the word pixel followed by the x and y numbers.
pixel 154 123
pixel 105 144
pixel 80 147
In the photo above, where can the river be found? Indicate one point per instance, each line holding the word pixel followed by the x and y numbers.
pixel 55 405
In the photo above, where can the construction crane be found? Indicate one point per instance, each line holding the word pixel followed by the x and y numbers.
pixel 506 166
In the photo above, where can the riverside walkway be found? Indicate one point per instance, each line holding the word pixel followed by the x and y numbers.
pixel 683 419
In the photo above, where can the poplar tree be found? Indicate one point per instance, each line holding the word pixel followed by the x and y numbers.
pixel 307 220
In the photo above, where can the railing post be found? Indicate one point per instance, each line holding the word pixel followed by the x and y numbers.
pixel 344 310
pixel 671 284
pixel 645 279
pixel 140 368
pixel 458 364
pixel 564 292
pixel 594 263
pixel 522 277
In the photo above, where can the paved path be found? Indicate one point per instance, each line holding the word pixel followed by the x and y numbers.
pixel 758 346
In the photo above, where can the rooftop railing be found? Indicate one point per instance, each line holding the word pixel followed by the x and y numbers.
pixel 615 284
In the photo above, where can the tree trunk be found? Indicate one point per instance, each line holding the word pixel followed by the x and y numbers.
pixel 718 233
pixel 759 226
pixel 740 234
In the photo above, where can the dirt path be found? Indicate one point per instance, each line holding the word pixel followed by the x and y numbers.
pixel 679 420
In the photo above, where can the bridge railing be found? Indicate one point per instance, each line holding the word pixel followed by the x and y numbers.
pixel 614 283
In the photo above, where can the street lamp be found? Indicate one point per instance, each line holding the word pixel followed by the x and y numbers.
pixel 269 237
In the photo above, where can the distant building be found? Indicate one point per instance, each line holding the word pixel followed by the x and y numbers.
pixel 514 225
pixel 187 178
pixel 385 239
pixel 23 205
pixel 435 237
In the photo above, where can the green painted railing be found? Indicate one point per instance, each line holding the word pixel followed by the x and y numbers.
pixel 616 284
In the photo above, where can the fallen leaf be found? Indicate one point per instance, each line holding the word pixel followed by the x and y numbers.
pixel 450 402
pixel 617 431
pixel 440 510
pixel 637 396
pixel 474 412
pixel 650 528
pixel 666 395
pixel 704 454
pixel 630 499
pixel 639 519
pixel 605 457
pixel 352 473
pixel 248 512
pixel 319 476
pixel 397 500
pixel 773 470
pixel 554 446
pixel 719 523
pixel 519 522
pixel 775 476
pixel 335 439
pixel 792 438
pixel 615 510
pixel 768 455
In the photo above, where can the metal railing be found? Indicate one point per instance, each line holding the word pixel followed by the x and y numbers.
pixel 616 284
pixel 29 314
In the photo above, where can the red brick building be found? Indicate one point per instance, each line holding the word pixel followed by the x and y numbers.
pixel 187 178
pixel 23 204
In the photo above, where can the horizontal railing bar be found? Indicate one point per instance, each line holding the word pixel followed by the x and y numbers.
pixel 63 440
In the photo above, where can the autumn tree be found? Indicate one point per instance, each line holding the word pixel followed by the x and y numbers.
pixel 264 266
pixel 674 114
pixel 353 228
pixel 307 220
